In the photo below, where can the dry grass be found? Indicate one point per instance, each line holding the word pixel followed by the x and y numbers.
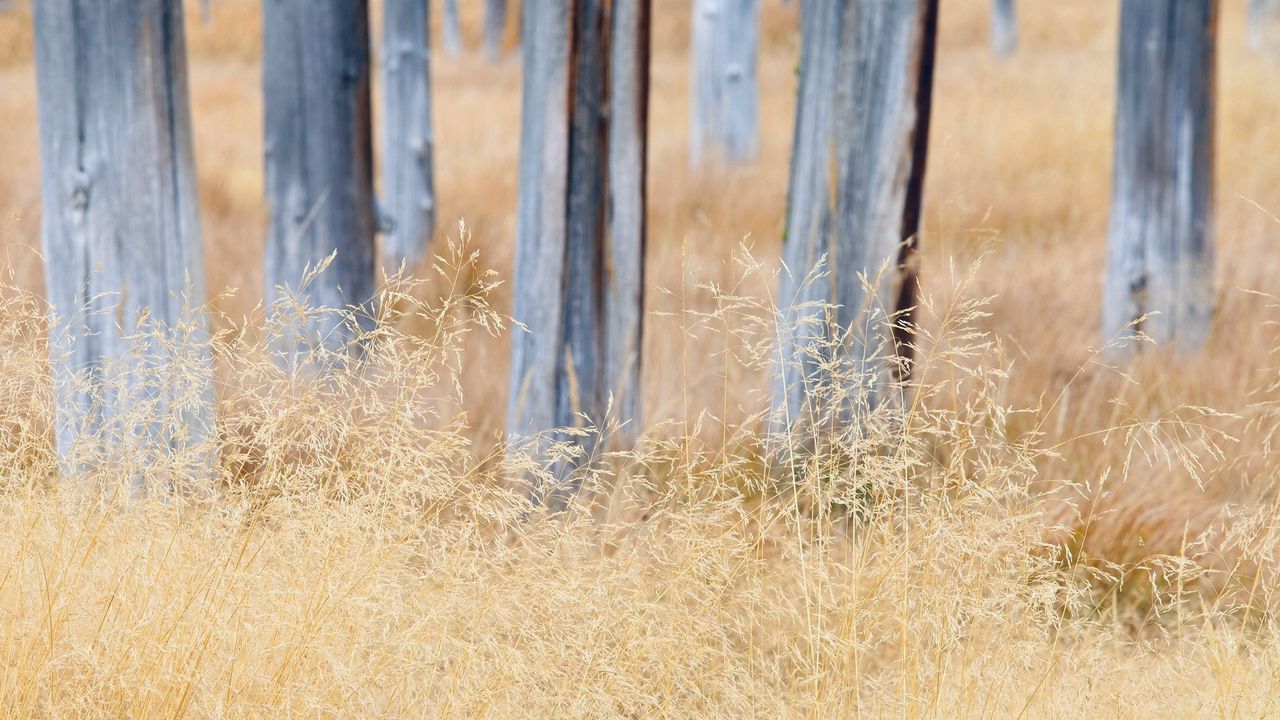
pixel 1035 534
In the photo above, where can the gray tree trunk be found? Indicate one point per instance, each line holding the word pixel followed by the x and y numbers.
pixel 408 201
pixel 452 28
pixel 495 26
pixel 121 229
pixel 857 178
pixel 1262 18
pixel 627 202
pixel 1004 28
pixel 319 170
pixel 725 124
pixel 1160 251
pixel 805 283
pixel 579 269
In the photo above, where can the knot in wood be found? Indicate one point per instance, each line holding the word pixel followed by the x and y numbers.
pixel 80 190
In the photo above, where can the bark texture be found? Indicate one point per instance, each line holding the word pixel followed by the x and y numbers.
pixel 121 231
pixel 319 170
pixel 1160 251
pixel 408 192
pixel 580 233
pixel 857 177
pixel 627 228
pixel 726 95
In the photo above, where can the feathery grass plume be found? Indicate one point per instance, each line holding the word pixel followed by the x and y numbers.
pixel 364 555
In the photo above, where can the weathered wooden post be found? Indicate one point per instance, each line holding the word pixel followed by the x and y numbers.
pixel 452 28
pixel 495 25
pixel 862 123
pixel 408 193
pixel 121 231
pixel 580 232
pixel 725 102
pixel 319 170
pixel 1004 28
pixel 1160 251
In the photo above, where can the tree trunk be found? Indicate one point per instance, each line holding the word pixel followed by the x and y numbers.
pixel 319 171
pixel 408 201
pixel 863 123
pixel 579 271
pixel 1160 252
pixel 452 28
pixel 626 240
pixel 805 282
pixel 1004 28
pixel 1262 23
pixel 121 230
pixel 495 26
pixel 725 102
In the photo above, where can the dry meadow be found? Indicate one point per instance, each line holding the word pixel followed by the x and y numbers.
pixel 1036 532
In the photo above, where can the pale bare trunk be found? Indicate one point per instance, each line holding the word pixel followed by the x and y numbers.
pixel 452 28
pixel 579 268
pixel 495 26
pixel 319 170
pixel 408 192
pixel 1004 28
pixel 856 185
pixel 121 231
pixel 725 102
pixel 1160 251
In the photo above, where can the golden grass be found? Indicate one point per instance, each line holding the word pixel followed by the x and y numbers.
pixel 1038 535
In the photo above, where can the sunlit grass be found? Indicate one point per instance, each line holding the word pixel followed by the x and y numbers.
pixel 1035 533
pixel 354 554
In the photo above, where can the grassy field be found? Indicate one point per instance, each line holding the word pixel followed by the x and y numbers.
pixel 1038 534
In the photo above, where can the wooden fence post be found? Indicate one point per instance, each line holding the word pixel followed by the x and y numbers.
pixel 1160 251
